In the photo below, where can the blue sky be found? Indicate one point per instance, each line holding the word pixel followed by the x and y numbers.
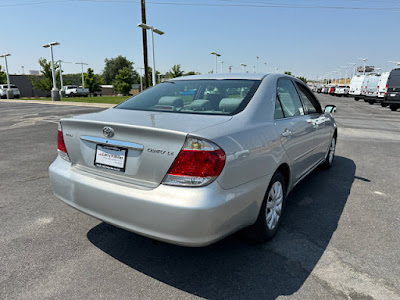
pixel 306 41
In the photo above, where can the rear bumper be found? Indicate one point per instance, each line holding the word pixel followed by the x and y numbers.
pixel 177 215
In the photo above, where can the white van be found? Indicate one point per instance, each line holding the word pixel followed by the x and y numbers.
pixel 382 86
pixel 371 91
pixel 356 84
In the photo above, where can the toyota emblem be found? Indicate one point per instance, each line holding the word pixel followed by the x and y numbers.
pixel 108 132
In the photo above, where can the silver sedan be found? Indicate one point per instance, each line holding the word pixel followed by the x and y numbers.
pixel 196 158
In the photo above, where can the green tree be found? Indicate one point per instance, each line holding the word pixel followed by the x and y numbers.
pixel 92 81
pixel 288 73
pixel 123 81
pixel 114 65
pixel 45 82
pixel 151 76
pixel 302 79
pixel 3 77
pixel 176 71
pixel 191 73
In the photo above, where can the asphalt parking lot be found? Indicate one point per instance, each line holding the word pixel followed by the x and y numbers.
pixel 339 239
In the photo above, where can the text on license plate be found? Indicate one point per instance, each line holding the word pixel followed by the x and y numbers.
pixel 110 157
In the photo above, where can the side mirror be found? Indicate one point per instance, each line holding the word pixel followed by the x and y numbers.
pixel 330 109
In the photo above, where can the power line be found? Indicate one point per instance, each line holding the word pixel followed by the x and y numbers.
pixel 251 4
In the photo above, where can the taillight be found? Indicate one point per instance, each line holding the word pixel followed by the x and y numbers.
pixel 61 149
pixel 386 90
pixel 198 163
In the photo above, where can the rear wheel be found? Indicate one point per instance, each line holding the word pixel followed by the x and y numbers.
pixel 384 104
pixel 356 98
pixel 72 95
pixel 371 101
pixel 331 154
pixel 269 218
pixel 393 107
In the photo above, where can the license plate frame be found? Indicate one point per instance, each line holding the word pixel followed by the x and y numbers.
pixel 115 158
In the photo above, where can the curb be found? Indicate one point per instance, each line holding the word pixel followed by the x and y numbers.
pixel 101 105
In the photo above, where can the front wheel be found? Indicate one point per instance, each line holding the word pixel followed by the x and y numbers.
pixel 371 102
pixel 393 107
pixel 331 154
pixel 269 218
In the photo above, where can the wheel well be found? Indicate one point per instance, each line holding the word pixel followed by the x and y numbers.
pixel 285 170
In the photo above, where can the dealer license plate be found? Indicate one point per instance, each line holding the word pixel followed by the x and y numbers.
pixel 110 157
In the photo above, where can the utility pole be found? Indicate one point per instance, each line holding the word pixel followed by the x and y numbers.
pixel 144 35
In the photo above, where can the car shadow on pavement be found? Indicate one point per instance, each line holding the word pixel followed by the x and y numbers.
pixel 235 267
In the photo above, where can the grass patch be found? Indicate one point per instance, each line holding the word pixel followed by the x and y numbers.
pixel 103 99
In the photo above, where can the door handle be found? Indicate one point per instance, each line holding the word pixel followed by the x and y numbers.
pixel 286 133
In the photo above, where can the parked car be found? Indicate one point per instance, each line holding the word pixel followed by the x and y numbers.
pixel 356 84
pixel 3 91
pixel 331 90
pixel 382 88
pixel 371 91
pixel 193 172
pixel 74 90
pixel 392 97
pixel 319 89
pixel 342 90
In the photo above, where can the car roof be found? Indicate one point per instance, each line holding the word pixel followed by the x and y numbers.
pixel 245 76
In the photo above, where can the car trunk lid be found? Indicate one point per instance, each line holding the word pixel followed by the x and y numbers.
pixel 146 143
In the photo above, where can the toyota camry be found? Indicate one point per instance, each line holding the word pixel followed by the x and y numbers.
pixel 194 159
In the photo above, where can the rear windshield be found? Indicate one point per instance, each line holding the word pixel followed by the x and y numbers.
pixel 220 97
pixel 394 80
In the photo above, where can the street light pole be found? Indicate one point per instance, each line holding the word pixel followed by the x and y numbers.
pixel 55 96
pixel 243 67
pixel 83 78
pixel 257 64
pixel 222 66
pixel 152 30
pixel 10 93
pixel 141 81
pixel 216 60
pixel 62 92
pixel 364 60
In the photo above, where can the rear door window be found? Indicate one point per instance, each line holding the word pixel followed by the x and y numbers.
pixel 289 99
pixel 309 100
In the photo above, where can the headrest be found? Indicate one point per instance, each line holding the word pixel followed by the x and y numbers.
pixel 230 104
pixel 169 100
pixel 201 104
pixel 214 97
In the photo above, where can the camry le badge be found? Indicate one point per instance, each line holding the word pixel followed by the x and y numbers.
pixel 108 132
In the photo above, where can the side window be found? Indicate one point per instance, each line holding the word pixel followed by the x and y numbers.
pixel 308 100
pixel 278 110
pixel 289 99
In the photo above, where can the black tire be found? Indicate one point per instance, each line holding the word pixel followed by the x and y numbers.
pixel 365 100
pixel 384 104
pixel 393 107
pixel 329 161
pixel 356 99
pixel 72 95
pixel 371 102
pixel 260 230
